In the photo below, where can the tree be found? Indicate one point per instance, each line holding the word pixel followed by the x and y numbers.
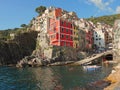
pixel 23 25
pixel 40 10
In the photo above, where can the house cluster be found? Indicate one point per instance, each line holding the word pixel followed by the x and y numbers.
pixel 65 29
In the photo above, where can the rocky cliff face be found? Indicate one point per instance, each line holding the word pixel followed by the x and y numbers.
pixel 13 50
pixel 67 53
pixel 114 78
pixel 37 49
pixel 116 41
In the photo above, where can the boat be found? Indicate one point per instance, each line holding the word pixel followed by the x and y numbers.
pixel 91 67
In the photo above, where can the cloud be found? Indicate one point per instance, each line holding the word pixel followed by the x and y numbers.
pixel 103 6
pixel 118 10
pixel 98 3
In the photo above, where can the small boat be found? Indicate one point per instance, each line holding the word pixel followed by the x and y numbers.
pixel 91 67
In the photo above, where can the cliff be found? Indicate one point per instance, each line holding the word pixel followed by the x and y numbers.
pixel 31 48
pixel 22 45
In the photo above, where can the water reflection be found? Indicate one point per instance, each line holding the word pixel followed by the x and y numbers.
pixel 48 78
pixel 45 78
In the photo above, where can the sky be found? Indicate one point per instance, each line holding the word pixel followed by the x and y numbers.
pixel 13 13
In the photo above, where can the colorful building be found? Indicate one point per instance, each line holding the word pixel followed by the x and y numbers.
pixel 99 39
pixel 88 39
pixel 75 36
pixel 63 27
pixel 60 32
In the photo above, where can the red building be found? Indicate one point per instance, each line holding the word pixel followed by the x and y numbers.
pixel 60 32
pixel 89 39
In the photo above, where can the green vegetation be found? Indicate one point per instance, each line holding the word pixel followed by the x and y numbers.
pixel 5 34
pixel 40 10
pixel 23 25
pixel 105 19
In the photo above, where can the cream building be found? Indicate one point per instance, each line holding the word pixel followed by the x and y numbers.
pixel 99 37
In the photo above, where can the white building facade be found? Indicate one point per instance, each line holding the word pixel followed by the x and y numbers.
pixel 99 39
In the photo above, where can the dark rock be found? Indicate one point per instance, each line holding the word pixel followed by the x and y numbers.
pixel 30 61
pixel 13 51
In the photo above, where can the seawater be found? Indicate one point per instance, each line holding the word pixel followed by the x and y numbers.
pixel 49 78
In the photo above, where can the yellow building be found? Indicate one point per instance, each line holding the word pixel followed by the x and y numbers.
pixel 75 37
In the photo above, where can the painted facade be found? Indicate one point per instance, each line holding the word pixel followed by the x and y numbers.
pixel 75 37
pixel 61 32
pixel 88 39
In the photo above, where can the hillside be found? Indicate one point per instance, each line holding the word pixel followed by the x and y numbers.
pixel 105 19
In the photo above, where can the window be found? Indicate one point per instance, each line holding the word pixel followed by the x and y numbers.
pixel 89 42
pixel 99 43
pixel 62 36
pixel 66 30
pixel 66 36
pixel 99 38
pixel 71 25
pixel 96 35
pixel 76 45
pixel 74 33
pixel 96 39
pixel 71 37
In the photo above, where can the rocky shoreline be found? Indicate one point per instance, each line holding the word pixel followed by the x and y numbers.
pixel 32 61
pixel 110 83
pixel 114 79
